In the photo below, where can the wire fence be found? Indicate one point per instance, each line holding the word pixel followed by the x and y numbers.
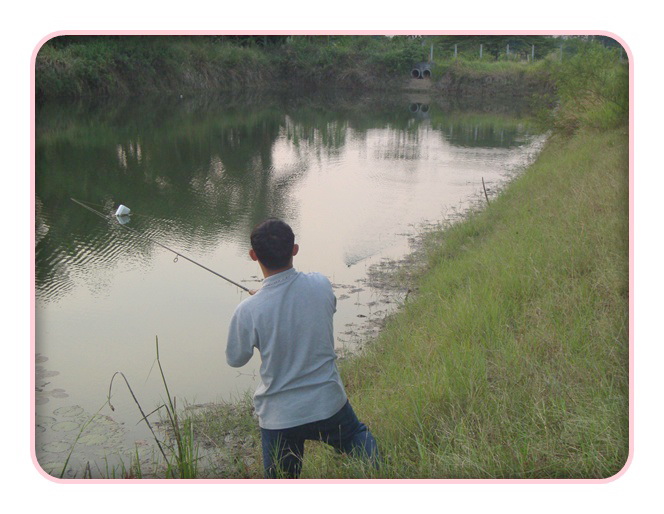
pixel 514 51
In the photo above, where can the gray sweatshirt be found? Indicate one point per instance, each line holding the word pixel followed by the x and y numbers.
pixel 289 321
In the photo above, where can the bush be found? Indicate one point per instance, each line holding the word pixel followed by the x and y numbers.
pixel 593 87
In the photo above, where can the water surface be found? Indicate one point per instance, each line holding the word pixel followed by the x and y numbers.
pixel 355 177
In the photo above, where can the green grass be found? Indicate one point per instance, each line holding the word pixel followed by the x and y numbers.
pixel 512 361
pixel 229 439
pixel 482 67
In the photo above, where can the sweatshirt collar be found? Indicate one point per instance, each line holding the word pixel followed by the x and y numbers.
pixel 279 277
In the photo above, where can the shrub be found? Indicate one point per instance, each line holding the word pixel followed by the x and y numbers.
pixel 593 87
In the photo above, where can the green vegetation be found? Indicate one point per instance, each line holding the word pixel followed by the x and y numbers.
pixel 85 65
pixel 106 65
pixel 592 87
pixel 75 66
pixel 511 360
pixel 182 458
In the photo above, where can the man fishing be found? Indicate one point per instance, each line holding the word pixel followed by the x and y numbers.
pixel 301 395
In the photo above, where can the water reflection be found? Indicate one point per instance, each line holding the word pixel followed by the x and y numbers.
pixel 208 168
pixel 419 109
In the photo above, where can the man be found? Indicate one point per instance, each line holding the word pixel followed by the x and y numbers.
pixel 289 321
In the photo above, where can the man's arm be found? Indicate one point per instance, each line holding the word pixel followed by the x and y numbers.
pixel 241 340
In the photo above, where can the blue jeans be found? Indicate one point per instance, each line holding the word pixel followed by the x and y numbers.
pixel 283 449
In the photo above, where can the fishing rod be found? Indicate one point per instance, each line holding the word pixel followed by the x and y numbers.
pixel 177 254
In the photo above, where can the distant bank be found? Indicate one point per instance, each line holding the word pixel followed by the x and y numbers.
pixel 80 66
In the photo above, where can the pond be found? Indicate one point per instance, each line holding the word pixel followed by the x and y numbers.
pixel 355 176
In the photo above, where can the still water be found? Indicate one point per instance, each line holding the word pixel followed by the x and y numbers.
pixel 355 178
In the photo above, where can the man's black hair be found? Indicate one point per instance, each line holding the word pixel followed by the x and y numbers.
pixel 273 241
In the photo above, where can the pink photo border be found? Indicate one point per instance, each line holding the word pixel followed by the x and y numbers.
pixel 335 481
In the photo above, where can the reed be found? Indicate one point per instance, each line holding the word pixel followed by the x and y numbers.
pixel 182 458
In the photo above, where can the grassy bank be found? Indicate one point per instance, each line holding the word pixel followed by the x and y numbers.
pixel 111 66
pixel 512 361
pixel 79 66
pixel 72 66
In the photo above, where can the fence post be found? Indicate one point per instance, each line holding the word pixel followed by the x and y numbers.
pixel 508 50
pixel 455 51
pixel 481 50
pixel 532 55
pixel 431 54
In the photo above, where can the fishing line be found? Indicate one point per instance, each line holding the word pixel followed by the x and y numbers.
pixel 106 206
pixel 177 254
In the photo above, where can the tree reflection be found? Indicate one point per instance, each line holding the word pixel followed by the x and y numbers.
pixel 202 169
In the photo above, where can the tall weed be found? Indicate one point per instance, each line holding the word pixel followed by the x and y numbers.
pixel 593 89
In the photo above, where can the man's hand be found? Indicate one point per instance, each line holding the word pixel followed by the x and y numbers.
pixel 252 291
